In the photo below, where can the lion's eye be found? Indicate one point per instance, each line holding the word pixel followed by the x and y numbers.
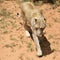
pixel 35 20
pixel 17 13
pixel 44 19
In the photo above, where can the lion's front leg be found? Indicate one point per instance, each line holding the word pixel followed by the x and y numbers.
pixel 27 33
pixel 36 40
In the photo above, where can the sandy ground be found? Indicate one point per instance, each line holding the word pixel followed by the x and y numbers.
pixel 14 45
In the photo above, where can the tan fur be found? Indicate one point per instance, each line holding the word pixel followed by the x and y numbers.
pixel 35 20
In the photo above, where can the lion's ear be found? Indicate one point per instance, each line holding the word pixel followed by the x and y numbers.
pixel 19 15
pixel 41 12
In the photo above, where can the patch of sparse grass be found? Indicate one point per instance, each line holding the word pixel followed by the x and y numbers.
pixel 5 32
pixel 10 45
pixel 57 2
pixel 54 57
pixel 12 17
pixel 29 46
pixel 57 50
pixel 13 39
pixel 13 44
pixel 2 31
pixel 53 42
pixel 26 0
pixel 49 25
pixel 38 2
pixel 22 41
pixel 2 20
pixel 5 13
pixel 20 46
pixel 50 36
pixel 21 56
pixel 1 1
pixel 3 26
pixel 18 2
pixel 59 10
pixel 14 25
pixel 57 20
pixel 31 49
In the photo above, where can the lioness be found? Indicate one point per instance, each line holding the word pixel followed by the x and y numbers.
pixel 36 21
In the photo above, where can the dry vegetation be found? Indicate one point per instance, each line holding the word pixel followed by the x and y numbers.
pixel 14 45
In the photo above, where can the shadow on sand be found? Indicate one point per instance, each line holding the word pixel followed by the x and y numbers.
pixel 45 46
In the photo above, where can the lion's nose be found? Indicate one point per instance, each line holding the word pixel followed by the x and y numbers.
pixel 42 25
pixel 41 29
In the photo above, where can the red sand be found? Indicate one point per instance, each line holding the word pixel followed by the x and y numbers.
pixel 14 45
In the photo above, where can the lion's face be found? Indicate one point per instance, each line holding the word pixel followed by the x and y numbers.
pixel 38 24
